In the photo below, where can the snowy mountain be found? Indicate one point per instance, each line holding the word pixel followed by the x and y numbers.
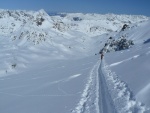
pixel 22 23
pixel 50 63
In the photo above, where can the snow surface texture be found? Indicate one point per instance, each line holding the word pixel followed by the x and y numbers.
pixel 51 63
pixel 121 95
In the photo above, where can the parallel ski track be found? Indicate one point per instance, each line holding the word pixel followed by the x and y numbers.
pixel 106 104
pixel 96 96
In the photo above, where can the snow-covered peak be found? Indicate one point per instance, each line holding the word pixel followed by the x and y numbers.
pixel 95 24
pixel 42 11
pixel 90 24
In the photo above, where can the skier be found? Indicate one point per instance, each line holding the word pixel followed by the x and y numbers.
pixel 102 55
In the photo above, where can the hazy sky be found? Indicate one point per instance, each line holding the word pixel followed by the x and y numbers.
pixel 137 7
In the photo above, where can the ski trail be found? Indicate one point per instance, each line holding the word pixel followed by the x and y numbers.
pixel 95 97
pixel 105 93
pixel 89 98
pixel 106 104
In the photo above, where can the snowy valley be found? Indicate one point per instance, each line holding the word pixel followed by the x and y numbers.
pixel 50 63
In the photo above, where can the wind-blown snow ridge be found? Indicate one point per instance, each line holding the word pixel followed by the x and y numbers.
pixel 123 99
pixel 117 63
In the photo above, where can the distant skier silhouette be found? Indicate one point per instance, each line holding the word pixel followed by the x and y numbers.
pixel 102 55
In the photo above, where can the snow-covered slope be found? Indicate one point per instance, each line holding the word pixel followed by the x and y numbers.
pixel 50 63
pixel 59 36
pixel 132 65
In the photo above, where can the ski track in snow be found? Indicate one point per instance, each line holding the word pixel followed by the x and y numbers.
pixel 106 104
pixel 89 98
pixel 106 93
pixel 95 97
